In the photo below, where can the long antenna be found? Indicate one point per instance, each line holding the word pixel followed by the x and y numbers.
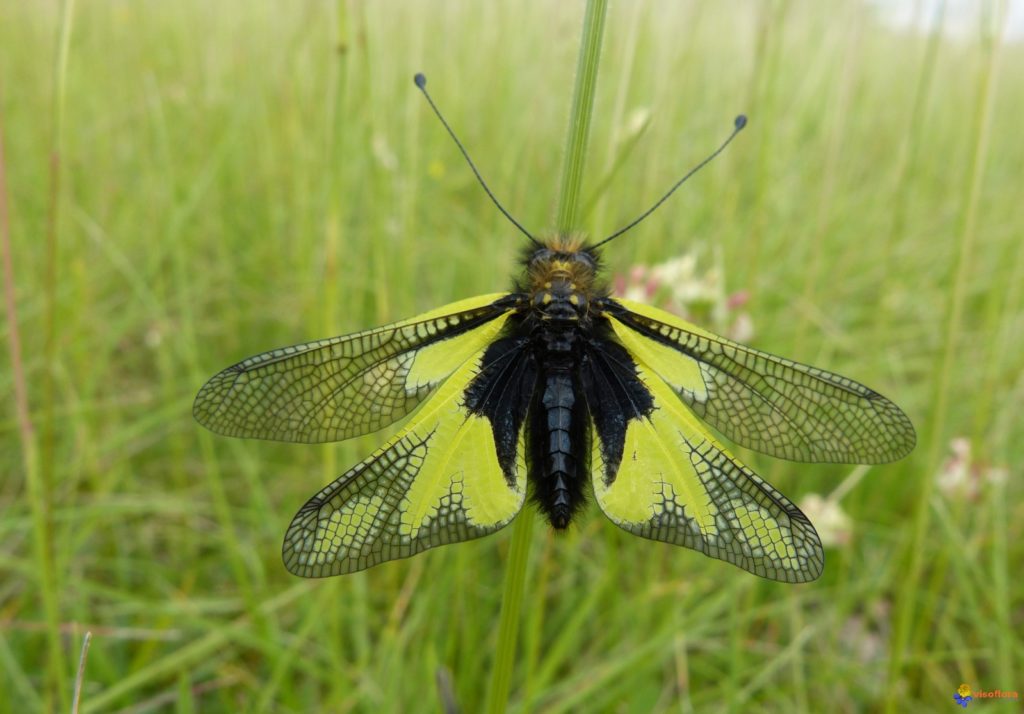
pixel 738 124
pixel 421 82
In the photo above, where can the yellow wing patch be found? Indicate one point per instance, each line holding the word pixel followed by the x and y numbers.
pixel 681 372
pixel 335 389
pixel 677 484
pixel 671 478
pixel 437 481
pixel 464 450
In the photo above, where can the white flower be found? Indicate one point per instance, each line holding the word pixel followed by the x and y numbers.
pixel 678 286
pixel 954 477
pixel 742 328
pixel 834 526
pixel 962 476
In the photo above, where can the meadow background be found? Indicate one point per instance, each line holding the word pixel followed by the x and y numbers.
pixel 190 183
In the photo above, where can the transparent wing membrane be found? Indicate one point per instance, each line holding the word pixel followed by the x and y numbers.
pixel 335 389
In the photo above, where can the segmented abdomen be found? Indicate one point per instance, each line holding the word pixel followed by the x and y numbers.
pixel 558 446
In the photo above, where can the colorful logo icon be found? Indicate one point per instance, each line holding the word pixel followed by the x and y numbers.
pixel 963 695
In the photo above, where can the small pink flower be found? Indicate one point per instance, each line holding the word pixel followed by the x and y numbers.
pixel 738 299
pixel 651 287
pixel 619 284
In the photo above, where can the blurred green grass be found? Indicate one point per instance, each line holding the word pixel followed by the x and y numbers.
pixel 238 176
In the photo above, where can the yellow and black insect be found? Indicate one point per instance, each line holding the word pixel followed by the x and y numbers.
pixel 540 391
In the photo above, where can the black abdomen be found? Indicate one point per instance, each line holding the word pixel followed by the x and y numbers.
pixel 558 445
pixel 533 375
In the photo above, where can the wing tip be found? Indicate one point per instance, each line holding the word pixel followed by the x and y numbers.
pixel 903 437
pixel 816 565
pixel 209 399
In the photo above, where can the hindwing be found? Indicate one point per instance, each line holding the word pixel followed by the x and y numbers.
pixel 335 389
pixel 766 403
pixel 453 474
pixel 663 476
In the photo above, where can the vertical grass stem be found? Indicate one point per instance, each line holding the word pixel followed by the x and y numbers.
pixel 579 116
pixel 568 210
pixel 40 480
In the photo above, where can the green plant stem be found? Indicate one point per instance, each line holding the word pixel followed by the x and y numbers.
pixel 579 117
pixel 80 677
pixel 511 604
pixel 907 161
pixel 26 428
pixel 40 480
pixel 568 210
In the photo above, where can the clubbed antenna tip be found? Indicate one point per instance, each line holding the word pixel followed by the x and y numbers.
pixel 738 123
pixel 421 81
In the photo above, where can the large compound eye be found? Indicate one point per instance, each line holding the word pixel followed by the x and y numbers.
pixel 540 255
pixel 585 259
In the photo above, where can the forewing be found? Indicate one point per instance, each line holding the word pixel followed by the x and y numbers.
pixel 666 478
pixel 766 403
pixel 438 481
pixel 335 389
